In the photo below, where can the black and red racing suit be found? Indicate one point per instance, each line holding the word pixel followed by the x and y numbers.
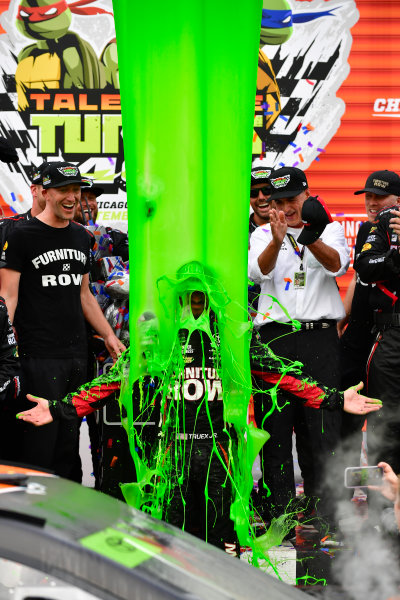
pixel 9 389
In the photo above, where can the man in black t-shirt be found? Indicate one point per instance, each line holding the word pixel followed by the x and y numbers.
pixel 46 288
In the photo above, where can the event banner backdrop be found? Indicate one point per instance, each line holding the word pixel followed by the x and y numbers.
pixel 326 98
pixel 59 97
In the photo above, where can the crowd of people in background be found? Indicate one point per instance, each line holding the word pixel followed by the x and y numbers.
pixel 307 344
pixel 296 251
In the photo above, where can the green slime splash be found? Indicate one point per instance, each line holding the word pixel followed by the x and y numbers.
pixel 184 85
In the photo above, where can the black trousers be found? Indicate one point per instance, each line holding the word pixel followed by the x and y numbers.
pixel 383 428
pixel 10 427
pixel 54 446
pixel 355 347
pixel 317 431
pixel 200 496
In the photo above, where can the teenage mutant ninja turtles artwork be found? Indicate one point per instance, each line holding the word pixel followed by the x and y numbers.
pixel 302 63
pixel 276 29
pixel 60 58
pixel 59 88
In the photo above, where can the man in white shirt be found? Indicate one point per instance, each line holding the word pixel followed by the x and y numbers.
pixel 296 264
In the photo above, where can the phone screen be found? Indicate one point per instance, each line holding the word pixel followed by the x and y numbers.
pixel 362 476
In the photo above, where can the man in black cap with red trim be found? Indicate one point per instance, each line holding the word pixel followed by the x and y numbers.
pixel 45 284
pixel 382 189
pixel 379 263
pixel 295 259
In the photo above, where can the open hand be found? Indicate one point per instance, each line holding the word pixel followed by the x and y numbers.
pixel 278 225
pixel 357 404
pixel 39 414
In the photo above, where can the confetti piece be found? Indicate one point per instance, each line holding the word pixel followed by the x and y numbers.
pixel 320 150
pixel 325 538
pixel 310 127
pixel 310 82
pixel 20 198
pixel 301 158
pixel 310 144
pixel 268 112
pixel 284 118
pixel 295 164
pixel 282 164
pixel 13 196
pixel 297 150
pixel 293 144
pixel 111 160
pixel 298 127
pixel 288 282
pixel 317 159
pixel 265 316
pixel 254 136
pixel 340 214
pixel 13 210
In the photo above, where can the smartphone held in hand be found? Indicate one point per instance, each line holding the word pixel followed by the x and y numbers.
pixel 362 476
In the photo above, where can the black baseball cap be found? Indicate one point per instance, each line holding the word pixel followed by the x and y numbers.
pixel 287 182
pixel 87 184
pixel 58 174
pixel 382 183
pixel 37 173
pixel 260 175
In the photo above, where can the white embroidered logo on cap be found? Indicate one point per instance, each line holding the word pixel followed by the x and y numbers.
pixel 261 174
pixel 68 171
pixel 280 182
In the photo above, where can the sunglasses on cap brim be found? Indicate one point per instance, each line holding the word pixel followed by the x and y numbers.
pixel 266 191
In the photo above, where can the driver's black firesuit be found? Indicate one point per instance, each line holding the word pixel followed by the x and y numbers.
pixel 379 264
pixel 196 428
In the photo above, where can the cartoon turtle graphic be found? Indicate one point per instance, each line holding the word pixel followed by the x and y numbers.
pixel 276 28
pixel 60 58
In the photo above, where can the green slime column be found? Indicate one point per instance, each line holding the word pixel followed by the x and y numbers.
pixel 188 80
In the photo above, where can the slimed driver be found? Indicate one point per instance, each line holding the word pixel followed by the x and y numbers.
pixel 45 286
